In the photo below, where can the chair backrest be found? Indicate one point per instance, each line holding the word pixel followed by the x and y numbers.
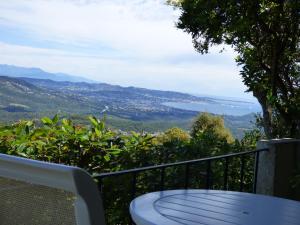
pixel 39 193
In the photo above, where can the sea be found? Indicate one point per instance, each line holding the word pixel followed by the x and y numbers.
pixel 219 105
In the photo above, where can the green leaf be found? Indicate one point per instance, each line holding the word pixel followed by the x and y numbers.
pixel 55 119
pixel 114 151
pixel 107 158
pixel 65 122
pixel 29 123
pixel 94 121
pixel 47 121
pixel 22 154
pixel 84 138
pixel 97 132
pixel 27 129
pixel 21 147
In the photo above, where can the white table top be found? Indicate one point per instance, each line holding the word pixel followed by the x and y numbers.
pixel 208 207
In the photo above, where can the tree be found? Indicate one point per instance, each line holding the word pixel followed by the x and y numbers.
pixel 209 136
pixel 265 34
pixel 174 144
pixel 174 135
pixel 213 126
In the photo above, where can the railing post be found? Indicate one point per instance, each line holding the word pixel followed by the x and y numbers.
pixel 187 175
pixel 242 173
pixel 100 185
pixel 276 167
pixel 162 179
pixel 133 185
pixel 255 171
pixel 208 174
pixel 225 185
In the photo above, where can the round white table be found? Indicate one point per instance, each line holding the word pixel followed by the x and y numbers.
pixel 209 207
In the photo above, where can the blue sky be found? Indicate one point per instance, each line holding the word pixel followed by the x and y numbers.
pixel 125 42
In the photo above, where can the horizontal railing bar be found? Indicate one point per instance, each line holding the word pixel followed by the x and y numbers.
pixel 141 169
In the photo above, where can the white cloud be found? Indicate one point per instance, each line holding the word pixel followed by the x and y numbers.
pixel 145 29
pixel 186 77
pixel 146 48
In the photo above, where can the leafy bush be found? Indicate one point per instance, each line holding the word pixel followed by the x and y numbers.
pixel 98 149
pixel 60 141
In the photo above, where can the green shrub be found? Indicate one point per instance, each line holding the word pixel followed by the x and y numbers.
pixel 98 149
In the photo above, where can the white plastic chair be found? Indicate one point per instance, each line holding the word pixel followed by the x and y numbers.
pixel 39 193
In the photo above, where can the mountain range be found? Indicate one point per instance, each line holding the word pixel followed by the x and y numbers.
pixel 18 71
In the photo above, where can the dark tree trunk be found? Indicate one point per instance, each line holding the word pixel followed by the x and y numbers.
pixel 267 113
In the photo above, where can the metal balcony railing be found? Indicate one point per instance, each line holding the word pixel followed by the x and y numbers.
pixel 206 174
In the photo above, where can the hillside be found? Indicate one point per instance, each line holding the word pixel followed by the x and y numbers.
pixel 126 108
pixel 127 102
pixel 17 95
pixel 36 95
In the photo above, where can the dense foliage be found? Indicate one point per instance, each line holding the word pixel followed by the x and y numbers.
pixel 207 124
pixel 98 149
pixel 266 36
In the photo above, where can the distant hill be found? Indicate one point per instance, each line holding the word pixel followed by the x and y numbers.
pixel 17 95
pixel 33 93
pixel 40 95
pixel 125 102
pixel 17 71
pixel 127 108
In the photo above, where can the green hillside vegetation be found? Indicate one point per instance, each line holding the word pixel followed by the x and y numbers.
pixel 16 92
pixel 238 125
pixel 97 149
pixel 207 124
pixel 40 138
